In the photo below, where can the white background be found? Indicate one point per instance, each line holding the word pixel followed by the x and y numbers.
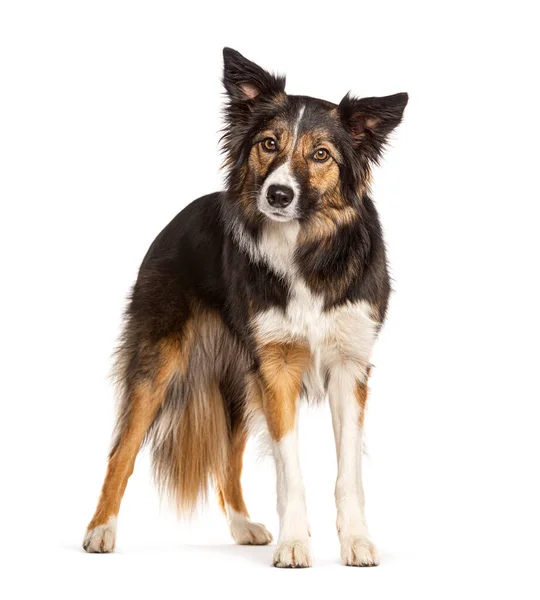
pixel 109 119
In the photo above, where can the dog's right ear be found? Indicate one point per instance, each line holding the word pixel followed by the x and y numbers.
pixel 247 83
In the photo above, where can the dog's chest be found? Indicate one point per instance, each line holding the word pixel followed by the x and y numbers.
pixel 346 332
pixel 343 333
pixel 302 319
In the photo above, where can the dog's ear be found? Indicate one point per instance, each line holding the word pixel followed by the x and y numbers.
pixel 370 120
pixel 246 83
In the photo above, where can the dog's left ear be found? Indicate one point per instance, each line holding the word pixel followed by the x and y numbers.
pixel 370 120
pixel 246 83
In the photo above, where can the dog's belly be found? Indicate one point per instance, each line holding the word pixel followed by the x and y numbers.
pixel 339 338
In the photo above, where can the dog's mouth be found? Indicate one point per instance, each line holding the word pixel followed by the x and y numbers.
pixel 288 213
pixel 279 215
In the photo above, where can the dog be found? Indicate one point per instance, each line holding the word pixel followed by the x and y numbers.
pixel 251 299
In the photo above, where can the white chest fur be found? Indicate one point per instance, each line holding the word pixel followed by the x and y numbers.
pixel 340 337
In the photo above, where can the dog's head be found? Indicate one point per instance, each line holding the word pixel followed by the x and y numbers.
pixel 290 157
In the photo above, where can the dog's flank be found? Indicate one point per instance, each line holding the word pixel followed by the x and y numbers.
pixel 251 298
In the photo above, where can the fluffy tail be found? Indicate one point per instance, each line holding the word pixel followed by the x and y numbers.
pixel 190 445
pixel 190 434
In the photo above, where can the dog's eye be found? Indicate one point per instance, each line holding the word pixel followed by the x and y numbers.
pixel 321 155
pixel 269 145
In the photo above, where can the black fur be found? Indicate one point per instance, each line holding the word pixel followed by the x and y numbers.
pixel 195 259
pixel 190 367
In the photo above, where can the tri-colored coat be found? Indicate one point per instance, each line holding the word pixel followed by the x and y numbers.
pixel 251 298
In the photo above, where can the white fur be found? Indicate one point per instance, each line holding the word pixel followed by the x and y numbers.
pixel 282 176
pixel 297 125
pixel 341 336
pixel 275 247
pixel 341 341
pixel 356 547
pixel 346 332
pixel 245 531
pixel 101 538
pixel 293 547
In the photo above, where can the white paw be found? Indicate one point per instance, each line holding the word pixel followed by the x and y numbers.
pixel 359 551
pixel 245 532
pixel 102 538
pixel 293 554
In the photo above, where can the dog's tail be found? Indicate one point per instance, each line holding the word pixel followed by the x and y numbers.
pixel 190 445
pixel 190 435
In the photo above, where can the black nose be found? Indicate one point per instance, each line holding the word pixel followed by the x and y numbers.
pixel 279 196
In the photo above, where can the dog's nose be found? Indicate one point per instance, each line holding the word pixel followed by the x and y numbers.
pixel 279 196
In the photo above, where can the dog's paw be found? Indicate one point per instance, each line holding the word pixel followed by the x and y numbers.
pixel 245 532
pixel 293 554
pixel 359 551
pixel 102 538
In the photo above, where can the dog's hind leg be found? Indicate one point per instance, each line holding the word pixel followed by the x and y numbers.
pixel 243 530
pixel 143 397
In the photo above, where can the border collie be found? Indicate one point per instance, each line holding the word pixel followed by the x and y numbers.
pixel 251 299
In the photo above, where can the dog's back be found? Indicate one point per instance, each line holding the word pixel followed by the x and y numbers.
pixel 249 299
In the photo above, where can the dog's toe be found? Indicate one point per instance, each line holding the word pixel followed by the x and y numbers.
pixel 293 554
pixel 359 552
pixel 101 539
pixel 248 533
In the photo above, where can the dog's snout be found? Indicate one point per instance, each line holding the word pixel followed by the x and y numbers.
pixel 279 196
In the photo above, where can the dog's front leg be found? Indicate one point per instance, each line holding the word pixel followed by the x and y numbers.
pixel 281 369
pixel 348 394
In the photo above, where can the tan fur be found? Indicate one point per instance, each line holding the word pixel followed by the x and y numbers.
pixel 280 98
pixel 254 408
pixel 282 366
pixel 260 161
pixel 190 437
pixel 230 488
pixel 325 222
pixel 178 407
pixel 361 392
pixel 323 175
pixel 333 211
pixel 196 451
pixel 319 229
pixel 145 401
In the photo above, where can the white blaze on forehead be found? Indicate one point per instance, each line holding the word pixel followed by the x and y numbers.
pixel 297 126
pixel 284 176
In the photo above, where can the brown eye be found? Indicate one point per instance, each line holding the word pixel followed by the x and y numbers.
pixel 321 155
pixel 269 145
